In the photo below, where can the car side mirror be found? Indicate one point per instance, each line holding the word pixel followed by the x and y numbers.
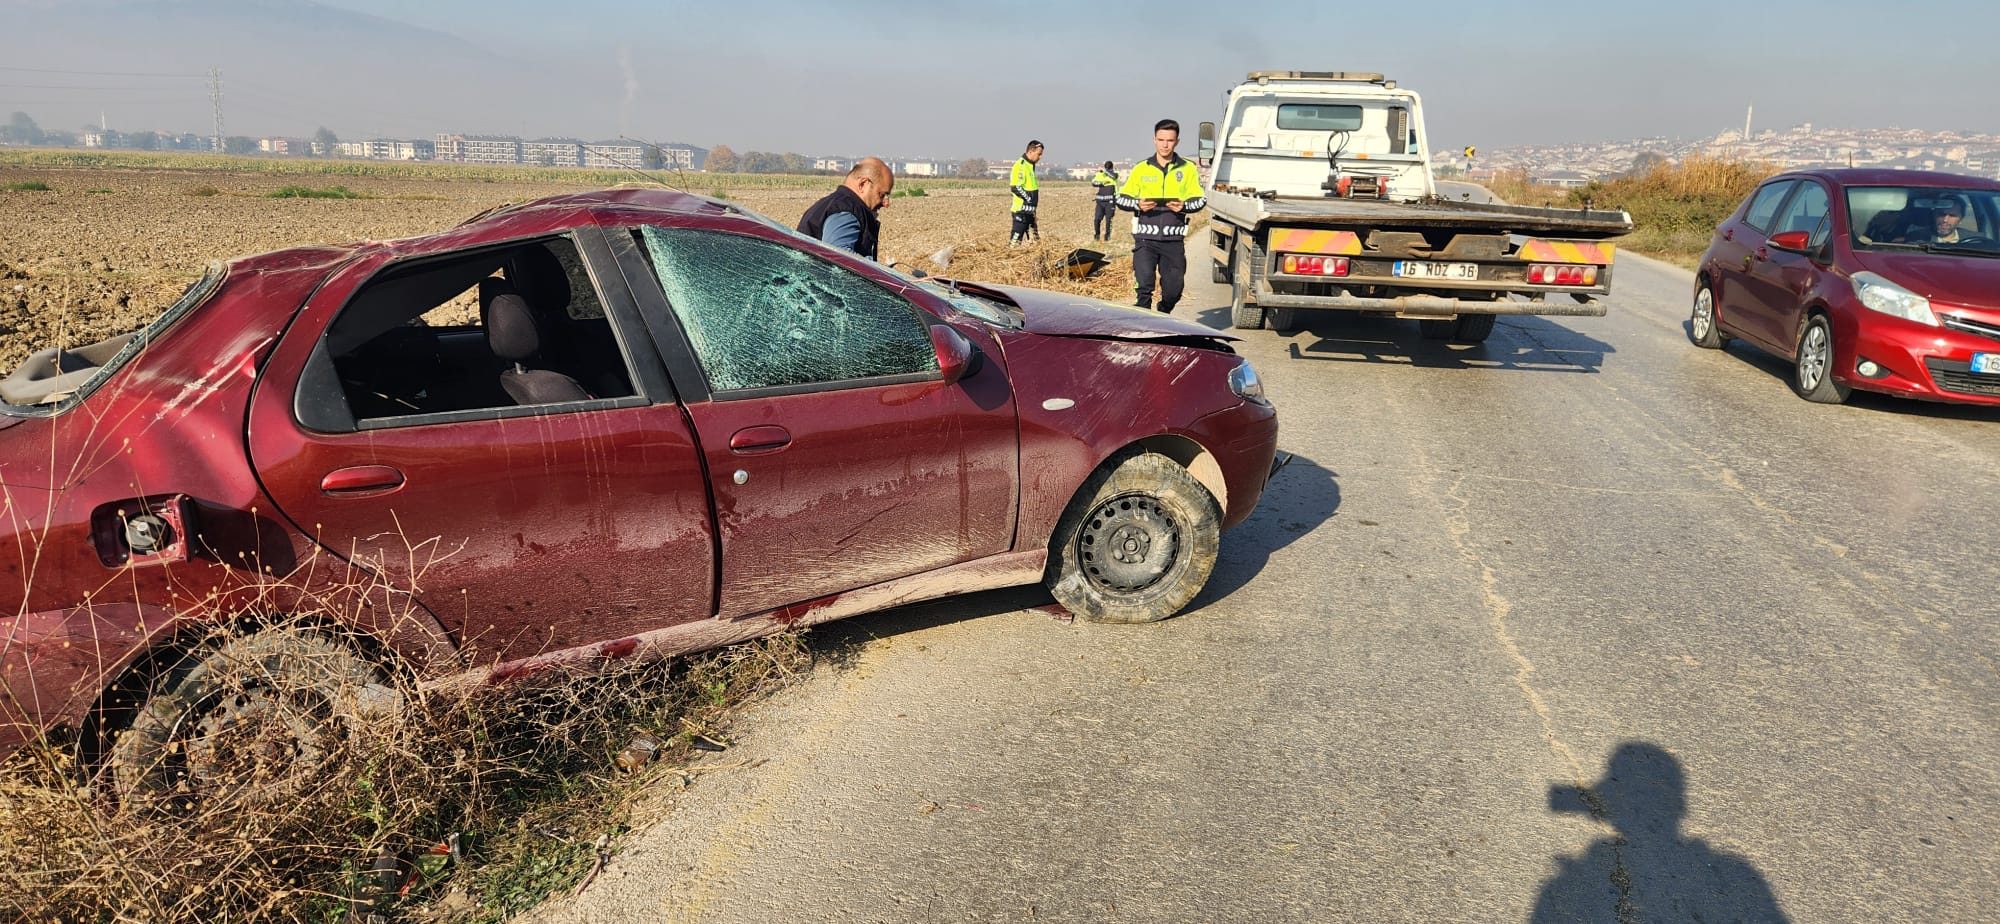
pixel 1794 241
pixel 957 357
pixel 1204 152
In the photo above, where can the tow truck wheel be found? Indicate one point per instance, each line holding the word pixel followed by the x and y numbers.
pixel 1436 328
pixel 1282 320
pixel 1243 315
pixel 1473 328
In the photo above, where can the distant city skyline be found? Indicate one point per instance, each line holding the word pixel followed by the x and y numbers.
pixel 951 79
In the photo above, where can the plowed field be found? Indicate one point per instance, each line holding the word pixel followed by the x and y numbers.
pixel 102 251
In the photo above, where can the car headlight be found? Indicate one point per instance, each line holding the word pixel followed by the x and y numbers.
pixel 1244 382
pixel 1879 294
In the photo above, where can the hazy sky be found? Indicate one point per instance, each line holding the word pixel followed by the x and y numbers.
pixel 954 79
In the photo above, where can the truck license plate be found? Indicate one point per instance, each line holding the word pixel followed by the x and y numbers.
pixel 1420 269
pixel 1986 363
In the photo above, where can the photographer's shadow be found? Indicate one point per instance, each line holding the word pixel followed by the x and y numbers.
pixel 1649 871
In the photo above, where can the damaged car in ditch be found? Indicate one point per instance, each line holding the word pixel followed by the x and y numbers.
pixel 587 428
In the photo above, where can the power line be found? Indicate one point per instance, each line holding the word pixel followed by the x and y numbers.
pixel 65 86
pixel 40 70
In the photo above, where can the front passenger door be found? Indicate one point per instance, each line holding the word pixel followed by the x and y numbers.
pixel 838 456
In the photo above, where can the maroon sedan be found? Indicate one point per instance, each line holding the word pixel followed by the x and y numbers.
pixel 1882 280
pixel 600 426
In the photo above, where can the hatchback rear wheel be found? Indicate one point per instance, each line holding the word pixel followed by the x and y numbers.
pixel 1812 372
pixel 1702 328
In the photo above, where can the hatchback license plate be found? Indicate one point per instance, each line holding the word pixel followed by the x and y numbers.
pixel 1986 363
pixel 1424 270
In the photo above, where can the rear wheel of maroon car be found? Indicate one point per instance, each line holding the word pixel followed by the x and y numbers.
pixel 1812 373
pixel 1136 544
pixel 247 721
pixel 1701 321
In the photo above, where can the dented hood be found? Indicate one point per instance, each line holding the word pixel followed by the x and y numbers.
pixel 1057 314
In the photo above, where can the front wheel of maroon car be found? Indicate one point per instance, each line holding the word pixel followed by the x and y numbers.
pixel 250 720
pixel 1812 373
pixel 1136 544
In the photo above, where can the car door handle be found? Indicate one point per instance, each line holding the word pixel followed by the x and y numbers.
pixel 753 440
pixel 361 479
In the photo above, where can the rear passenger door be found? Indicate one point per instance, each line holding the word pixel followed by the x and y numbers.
pixel 382 428
pixel 1743 246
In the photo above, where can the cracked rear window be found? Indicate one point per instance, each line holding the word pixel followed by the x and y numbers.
pixel 762 315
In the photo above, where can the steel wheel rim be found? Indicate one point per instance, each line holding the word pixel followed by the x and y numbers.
pixel 1128 544
pixel 1812 357
pixel 1704 313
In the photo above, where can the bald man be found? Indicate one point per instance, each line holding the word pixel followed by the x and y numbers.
pixel 846 217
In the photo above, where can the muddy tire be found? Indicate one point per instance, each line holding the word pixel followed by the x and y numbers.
pixel 1136 544
pixel 249 720
pixel 1284 320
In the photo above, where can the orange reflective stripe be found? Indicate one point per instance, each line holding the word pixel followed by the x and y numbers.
pixel 1303 240
pixel 1536 250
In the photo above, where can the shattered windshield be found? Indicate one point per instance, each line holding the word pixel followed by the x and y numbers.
pixel 991 312
pixel 1930 218
pixel 763 315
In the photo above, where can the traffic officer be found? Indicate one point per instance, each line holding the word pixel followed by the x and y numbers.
pixel 1106 183
pixel 1027 194
pixel 1161 191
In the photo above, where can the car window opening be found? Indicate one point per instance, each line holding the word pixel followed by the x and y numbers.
pixel 760 314
pixel 501 328
pixel 52 380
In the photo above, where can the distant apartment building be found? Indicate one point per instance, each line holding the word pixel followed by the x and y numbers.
pixel 832 164
pixel 477 149
pixel 614 155
pixel 552 152
pixel 384 149
pixel 283 147
pixel 1561 179
pixel 689 157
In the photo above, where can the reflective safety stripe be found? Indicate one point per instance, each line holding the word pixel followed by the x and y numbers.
pixel 1139 227
pixel 1535 250
pixel 1303 240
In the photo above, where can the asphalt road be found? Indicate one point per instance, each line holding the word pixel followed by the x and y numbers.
pixel 1763 633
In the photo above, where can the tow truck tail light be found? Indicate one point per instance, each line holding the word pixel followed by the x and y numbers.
pixel 1305 265
pixel 1551 274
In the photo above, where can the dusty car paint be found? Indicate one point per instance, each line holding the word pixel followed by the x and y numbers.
pixel 506 544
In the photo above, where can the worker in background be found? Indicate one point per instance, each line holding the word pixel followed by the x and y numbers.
pixel 1027 194
pixel 1105 184
pixel 1161 191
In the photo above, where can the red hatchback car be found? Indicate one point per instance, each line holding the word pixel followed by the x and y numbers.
pixel 1882 280
pixel 588 427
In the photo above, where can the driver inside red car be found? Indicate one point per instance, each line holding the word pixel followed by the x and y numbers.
pixel 1944 230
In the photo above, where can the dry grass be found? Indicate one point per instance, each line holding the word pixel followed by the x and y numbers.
pixel 516 788
pixel 1675 207
pixel 1040 264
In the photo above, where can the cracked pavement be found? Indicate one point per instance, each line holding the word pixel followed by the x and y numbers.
pixel 1584 624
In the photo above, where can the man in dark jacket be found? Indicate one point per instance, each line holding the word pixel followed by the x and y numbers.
pixel 846 217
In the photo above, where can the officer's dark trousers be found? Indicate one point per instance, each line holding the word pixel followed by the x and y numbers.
pixel 1106 210
pixel 1169 257
pixel 1024 224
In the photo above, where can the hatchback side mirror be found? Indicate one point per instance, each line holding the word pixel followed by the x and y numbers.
pixel 957 357
pixel 1794 241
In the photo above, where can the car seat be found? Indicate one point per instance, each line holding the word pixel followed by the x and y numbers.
pixel 514 334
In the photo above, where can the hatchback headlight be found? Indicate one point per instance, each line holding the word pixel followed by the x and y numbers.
pixel 1244 382
pixel 1879 294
